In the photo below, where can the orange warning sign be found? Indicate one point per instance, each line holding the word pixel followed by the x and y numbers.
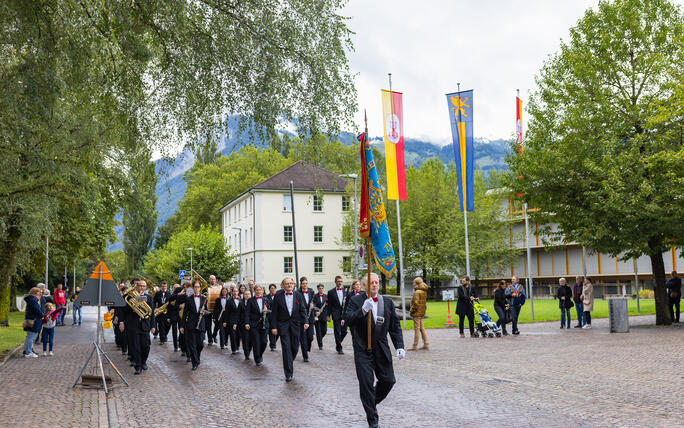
pixel 102 268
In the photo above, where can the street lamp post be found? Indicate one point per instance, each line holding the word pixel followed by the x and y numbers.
pixel 356 231
pixel 190 249
pixel 240 249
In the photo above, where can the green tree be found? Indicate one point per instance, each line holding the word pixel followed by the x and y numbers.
pixel 330 154
pixel 207 151
pixel 166 230
pixel 210 256
pixel 603 156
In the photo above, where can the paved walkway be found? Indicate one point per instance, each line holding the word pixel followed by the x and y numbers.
pixel 544 377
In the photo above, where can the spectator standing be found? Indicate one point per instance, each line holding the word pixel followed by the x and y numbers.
pixel 674 295
pixel 587 298
pixel 577 297
pixel 417 310
pixel 49 321
pixel 60 300
pixel 515 294
pixel 501 306
pixel 32 320
pixel 77 306
pixel 564 296
pixel 464 306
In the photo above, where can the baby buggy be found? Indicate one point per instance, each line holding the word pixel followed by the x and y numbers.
pixel 485 327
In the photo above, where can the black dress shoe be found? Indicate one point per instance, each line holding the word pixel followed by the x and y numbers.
pixel 175 349
pixel 306 360
pixel 340 352
pixel 132 364
pixel 187 360
pixel 288 379
pixel 137 371
pixel 144 366
pixel 223 347
pixel 259 364
pixel 194 367
pixel 320 348
pixel 273 349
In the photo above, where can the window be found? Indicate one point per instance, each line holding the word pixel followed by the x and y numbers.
pixel 228 217
pixel 238 208
pixel 287 233
pixel 318 264
pixel 317 203
pixel 287 203
pixel 345 203
pixel 318 233
pixel 346 264
pixel 287 264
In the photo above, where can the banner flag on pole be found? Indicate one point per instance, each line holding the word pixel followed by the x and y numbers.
pixel 461 115
pixel 392 111
pixel 373 220
pixel 518 124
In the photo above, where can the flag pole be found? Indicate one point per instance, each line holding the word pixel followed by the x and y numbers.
pixel 527 234
pixel 368 242
pixel 465 205
pixel 400 271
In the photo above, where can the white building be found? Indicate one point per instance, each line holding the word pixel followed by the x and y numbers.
pixel 260 221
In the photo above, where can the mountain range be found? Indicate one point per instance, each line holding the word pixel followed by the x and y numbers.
pixel 489 154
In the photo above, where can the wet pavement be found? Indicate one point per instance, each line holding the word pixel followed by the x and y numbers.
pixel 544 377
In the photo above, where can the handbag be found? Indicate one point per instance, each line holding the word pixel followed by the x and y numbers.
pixel 508 317
pixel 28 324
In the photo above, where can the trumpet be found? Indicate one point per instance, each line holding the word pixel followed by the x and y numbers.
pixel 161 310
pixel 140 307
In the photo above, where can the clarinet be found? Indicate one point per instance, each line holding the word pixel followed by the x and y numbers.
pixel 200 315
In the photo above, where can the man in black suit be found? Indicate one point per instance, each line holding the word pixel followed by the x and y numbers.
pixel 256 322
pixel 173 315
pixel 119 314
pixel 231 320
pixel 244 333
pixel 194 325
pixel 138 329
pixel 272 338
pixel 674 294
pixel 163 323
pixel 335 301
pixel 220 307
pixel 288 314
pixel 377 360
pixel 306 336
pixel 320 316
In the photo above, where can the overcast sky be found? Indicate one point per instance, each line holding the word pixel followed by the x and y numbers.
pixel 493 47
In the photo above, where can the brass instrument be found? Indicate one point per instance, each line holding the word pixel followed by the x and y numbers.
pixel 320 310
pixel 140 307
pixel 204 291
pixel 149 286
pixel 161 310
pixel 265 312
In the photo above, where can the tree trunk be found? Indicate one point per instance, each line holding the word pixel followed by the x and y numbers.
pixel 13 295
pixel 658 268
pixel 9 248
pixel 383 280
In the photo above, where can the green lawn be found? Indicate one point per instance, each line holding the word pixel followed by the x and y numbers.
pixel 544 310
pixel 13 335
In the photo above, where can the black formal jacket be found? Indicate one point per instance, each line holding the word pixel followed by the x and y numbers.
pixel 500 298
pixel 311 294
pixel 216 315
pixel 234 314
pixel 357 322
pixel 674 285
pixel 172 309
pixel 253 316
pixel 334 304
pixel 463 305
pixel 158 299
pixel 280 317
pixel 132 320
pixel 564 291
pixel 191 317
pixel 318 303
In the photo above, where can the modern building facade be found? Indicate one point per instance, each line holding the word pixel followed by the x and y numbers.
pixel 258 225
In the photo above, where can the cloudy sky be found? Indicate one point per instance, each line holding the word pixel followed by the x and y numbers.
pixel 493 47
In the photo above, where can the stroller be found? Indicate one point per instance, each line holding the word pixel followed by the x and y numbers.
pixel 485 327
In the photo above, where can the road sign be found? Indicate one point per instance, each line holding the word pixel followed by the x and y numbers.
pixel 182 273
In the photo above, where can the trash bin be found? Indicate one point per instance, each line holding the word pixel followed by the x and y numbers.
pixel 618 315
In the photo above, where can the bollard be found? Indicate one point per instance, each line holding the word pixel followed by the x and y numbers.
pixel 618 315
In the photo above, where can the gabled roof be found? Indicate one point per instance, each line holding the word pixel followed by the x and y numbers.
pixel 304 177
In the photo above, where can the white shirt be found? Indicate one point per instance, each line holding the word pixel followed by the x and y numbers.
pixel 339 294
pixel 197 303
pixel 237 301
pixel 163 299
pixel 223 302
pixel 289 300
pixel 260 302
pixel 306 296
pixel 375 310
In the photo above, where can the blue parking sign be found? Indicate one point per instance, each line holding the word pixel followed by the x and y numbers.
pixel 182 274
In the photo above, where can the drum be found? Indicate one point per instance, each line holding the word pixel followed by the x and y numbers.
pixel 212 294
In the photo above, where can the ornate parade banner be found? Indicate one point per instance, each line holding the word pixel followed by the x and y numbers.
pixel 461 116
pixel 392 111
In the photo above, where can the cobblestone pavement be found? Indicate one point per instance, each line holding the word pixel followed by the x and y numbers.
pixel 544 377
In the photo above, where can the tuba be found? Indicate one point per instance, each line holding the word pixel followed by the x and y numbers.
pixel 141 308
pixel 205 285
pixel 149 286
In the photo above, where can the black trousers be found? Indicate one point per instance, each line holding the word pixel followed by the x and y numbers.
pixel 246 341
pixel 141 348
pixel 120 339
pixel 181 340
pixel 371 365
pixel 207 323
pixel 234 338
pixel 321 329
pixel 272 339
pixel 673 306
pixel 174 332
pixel 471 321
pixel 221 330
pixel 305 339
pixel 163 327
pixel 289 344
pixel 502 315
pixel 258 342
pixel 129 334
pixel 195 343
pixel 340 333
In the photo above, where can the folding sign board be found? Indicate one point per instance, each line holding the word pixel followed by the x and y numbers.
pixel 109 296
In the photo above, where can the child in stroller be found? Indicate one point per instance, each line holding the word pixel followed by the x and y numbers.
pixel 485 327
